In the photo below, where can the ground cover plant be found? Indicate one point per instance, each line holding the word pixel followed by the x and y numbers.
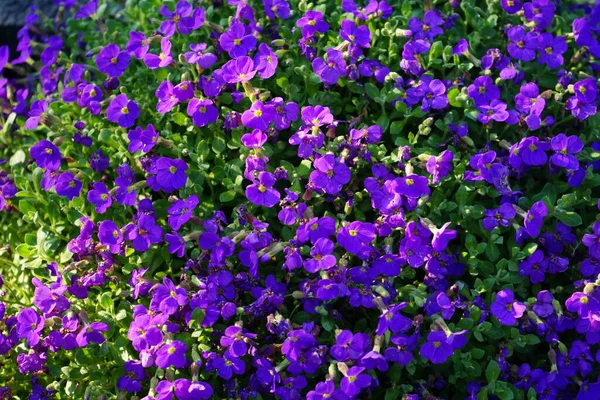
pixel 301 200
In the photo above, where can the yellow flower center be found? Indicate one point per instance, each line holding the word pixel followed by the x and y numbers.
pixel 237 42
pixel 258 113
pixel 410 182
pixel 353 232
pixel 262 188
pixel 125 110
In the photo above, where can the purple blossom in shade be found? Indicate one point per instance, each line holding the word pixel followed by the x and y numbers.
pixel 349 346
pixel 176 20
pixel 235 340
pixel 109 233
pixel 166 97
pixel 528 100
pixel 354 235
pixel 533 152
pixel 276 8
pixel 315 229
pixel 112 61
pixel 87 10
pixel 579 109
pixel 461 48
pixel 534 267
pixel 437 349
pixel 46 155
pixel 227 365
pixel 440 166
pixel 429 28
pixel 551 50
pixel 592 241
pixel 170 174
pixel 176 244
pixel 36 112
pixel 523 45
pixel 144 233
pixel 90 95
pixel 331 70
pixel 237 41
pixel 582 304
pixel 535 218
pixel 168 298
pixel 142 139
pixel 181 211
pixel 369 135
pixel 198 56
pixel 29 326
pixel 123 111
pixel 239 70
pixel 98 161
pixel 138 44
pixel 354 381
pixel 483 90
pixel 565 148
pixel 434 96
pixel 322 258
pixel 164 391
pixel 171 355
pixel 506 309
pixel 91 334
pixel 266 61
pixel 163 59
pixel 500 216
pixel 131 381
pixel 285 113
pixel 358 35
pixel 495 111
pixel 392 320
pixel 100 197
pixel 68 186
pixel 412 186
pixel 184 91
pixel 442 236
pixel 374 68
pixel 330 174
pixel 188 390
pixel 203 112
pixel 254 140
pixel 262 192
pixel 311 23
pixel 259 116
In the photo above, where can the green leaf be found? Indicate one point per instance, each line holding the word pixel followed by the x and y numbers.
pixel 180 118
pixel 569 218
pixel 227 196
pixel 492 372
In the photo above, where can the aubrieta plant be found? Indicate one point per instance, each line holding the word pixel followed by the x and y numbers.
pixel 301 200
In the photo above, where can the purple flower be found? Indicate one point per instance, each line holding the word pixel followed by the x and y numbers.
pixel 162 60
pixel 36 112
pixel 534 267
pixel 437 349
pixel 239 70
pixel 91 334
pixel 440 166
pixel 166 97
pixel 483 90
pixel 171 355
pixel 112 61
pixel 413 186
pixel 512 6
pixel 170 174
pixel 322 258
pixel 254 140
pixel 235 341
pixel 138 44
pixel 109 233
pixel 495 111
pixel 87 10
pixel 187 390
pixel 68 186
pixel 506 309
pixel 535 218
pixel 429 28
pixel 29 326
pixel 143 334
pixel 168 298
pixel 551 50
pixel 259 116
pixel 528 100
pixel 358 35
pixel 100 197
pixel 177 20
pixel 586 90
pixel 565 148
pixel 354 381
pixel 227 365
pixel 499 216
pixel 262 192
pixel 123 111
pixel 434 96
pixel 142 139
pixel 198 56
pixel 312 22
pixel 330 174
pixel 331 70
pixel 582 304
pixel 203 112
pixel 46 155
pixel 355 234
pixel 181 211
pixel 266 61
pixel 144 233
pixel 592 242
pixel 523 45
pixel 237 41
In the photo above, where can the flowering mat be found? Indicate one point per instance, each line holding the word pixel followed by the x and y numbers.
pixel 294 200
